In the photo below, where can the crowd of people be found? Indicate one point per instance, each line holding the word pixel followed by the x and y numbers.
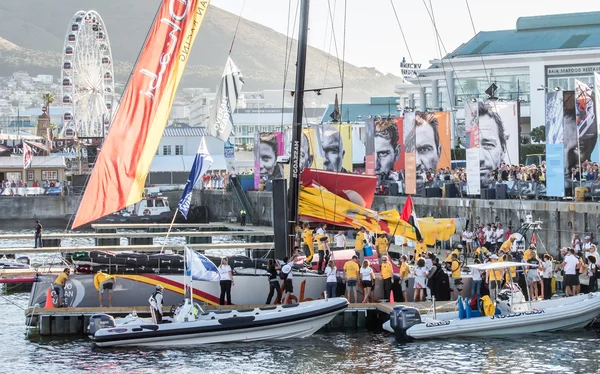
pixel 19 187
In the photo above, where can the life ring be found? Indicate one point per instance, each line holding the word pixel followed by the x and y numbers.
pixel 146 212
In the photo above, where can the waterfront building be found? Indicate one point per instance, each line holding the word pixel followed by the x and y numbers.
pixel 43 168
pixel 541 53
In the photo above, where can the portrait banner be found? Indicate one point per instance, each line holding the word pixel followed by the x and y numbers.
pixel 370 147
pixel 399 165
pixel 471 125
pixel 256 161
pixel 410 160
pixel 473 184
pixel 443 120
pixel 587 127
pixel 387 143
pixel 334 147
pixel 508 113
pixel 554 117
pixel 555 170
pixel 267 146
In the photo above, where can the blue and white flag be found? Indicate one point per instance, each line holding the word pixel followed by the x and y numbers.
pixel 202 163
pixel 220 123
pixel 199 267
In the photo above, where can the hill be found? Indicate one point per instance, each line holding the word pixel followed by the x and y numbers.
pixel 32 34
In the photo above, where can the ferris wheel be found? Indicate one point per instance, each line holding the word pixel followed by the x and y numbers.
pixel 88 86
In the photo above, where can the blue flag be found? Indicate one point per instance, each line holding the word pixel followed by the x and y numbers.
pixel 202 163
pixel 199 267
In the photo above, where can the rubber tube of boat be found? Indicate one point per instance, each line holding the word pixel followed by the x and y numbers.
pixel 401 319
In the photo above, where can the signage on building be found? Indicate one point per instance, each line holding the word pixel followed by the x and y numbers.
pixel 409 70
pixel 229 149
pixel 569 70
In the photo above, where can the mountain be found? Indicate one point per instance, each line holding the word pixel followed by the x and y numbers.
pixel 32 35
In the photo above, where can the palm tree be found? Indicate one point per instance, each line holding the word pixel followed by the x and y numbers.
pixel 48 99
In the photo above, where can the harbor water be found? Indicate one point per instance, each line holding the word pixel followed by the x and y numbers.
pixel 354 350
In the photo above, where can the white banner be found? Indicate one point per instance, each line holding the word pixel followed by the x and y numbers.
pixel 220 124
pixel 473 171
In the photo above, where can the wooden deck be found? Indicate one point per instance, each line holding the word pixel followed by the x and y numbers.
pixel 154 225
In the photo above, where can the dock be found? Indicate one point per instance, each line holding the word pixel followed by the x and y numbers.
pixel 74 321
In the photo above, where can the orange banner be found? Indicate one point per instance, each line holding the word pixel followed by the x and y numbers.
pixel 124 162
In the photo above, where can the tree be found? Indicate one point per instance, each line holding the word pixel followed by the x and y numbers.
pixel 48 98
pixel 538 135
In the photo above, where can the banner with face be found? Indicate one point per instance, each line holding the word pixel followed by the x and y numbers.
pixel 555 160
pixel 410 161
pixel 267 146
pixel 334 147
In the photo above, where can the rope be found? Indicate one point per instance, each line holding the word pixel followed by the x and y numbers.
pixel 237 26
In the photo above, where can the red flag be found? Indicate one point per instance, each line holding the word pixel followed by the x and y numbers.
pixel 408 215
pixel 534 239
pixel 27 156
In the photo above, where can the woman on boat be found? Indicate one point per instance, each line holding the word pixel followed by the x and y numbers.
pixel 533 277
pixel 272 269
pixel 366 277
pixel 592 271
pixel 420 281
pixel 226 281
pixel 331 273
pixel 547 275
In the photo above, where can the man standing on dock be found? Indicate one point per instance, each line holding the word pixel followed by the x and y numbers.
pixel 243 217
pixel 38 235
pixel 351 269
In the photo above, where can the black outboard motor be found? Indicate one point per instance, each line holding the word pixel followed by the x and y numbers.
pixel 100 321
pixel 401 319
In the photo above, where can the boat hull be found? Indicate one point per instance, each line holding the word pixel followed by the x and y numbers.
pixel 299 321
pixel 568 316
pixel 135 289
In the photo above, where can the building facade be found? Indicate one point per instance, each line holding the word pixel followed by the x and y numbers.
pixel 542 53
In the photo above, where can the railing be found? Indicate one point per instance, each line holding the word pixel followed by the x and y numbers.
pixel 240 197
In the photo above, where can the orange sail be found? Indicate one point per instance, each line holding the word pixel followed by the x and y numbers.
pixel 124 162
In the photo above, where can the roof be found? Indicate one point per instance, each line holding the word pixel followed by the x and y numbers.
pixel 500 265
pixel 535 34
pixel 185 131
pixel 360 112
pixel 36 162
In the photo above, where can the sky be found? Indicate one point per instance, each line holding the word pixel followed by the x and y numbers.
pixel 373 37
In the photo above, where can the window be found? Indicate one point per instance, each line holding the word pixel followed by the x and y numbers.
pixel 166 150
pixel 30 175
pixel 149 203
pixel 178 150
pixel 159 203
pixel 49 175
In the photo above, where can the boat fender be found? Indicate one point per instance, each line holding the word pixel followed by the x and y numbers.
pixel 100 321
pixel 401 319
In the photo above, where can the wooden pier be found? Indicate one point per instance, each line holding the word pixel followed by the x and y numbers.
pixel 74 321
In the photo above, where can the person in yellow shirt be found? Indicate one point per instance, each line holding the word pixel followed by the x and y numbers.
pixel 59 286
pixel 529 252
pixel 323 246
pixel 361 241
pixel 456 279
pixel 511 272
pixel 421 249
pixel 404 272
pixel 507 245
pixel 309 251
pixel 382 244
pixel 351 270
pixel 457 251
pixel 481 252
pixel 494 278
pixel 386 274
pixel 104 282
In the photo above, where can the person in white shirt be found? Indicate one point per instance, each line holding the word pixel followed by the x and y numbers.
pixel 226 281
pixel 576 243
pixel 468 239
pixel 366 278
pixel 547 274
pixel 340 240
pixel 571 280
pixel 331 273
pixel 587 245
pixel 488 234
pixel 476 280
pixel 500 235
pixel 287 276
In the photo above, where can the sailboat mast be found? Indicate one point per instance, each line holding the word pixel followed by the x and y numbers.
pixel 297 123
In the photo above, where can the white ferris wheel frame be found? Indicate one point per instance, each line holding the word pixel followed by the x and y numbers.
pixel 91 105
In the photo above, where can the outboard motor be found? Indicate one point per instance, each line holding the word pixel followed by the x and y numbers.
pixel 100 321
pixel 402 318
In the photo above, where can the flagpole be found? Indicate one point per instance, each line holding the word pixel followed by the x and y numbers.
pixel 169 231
